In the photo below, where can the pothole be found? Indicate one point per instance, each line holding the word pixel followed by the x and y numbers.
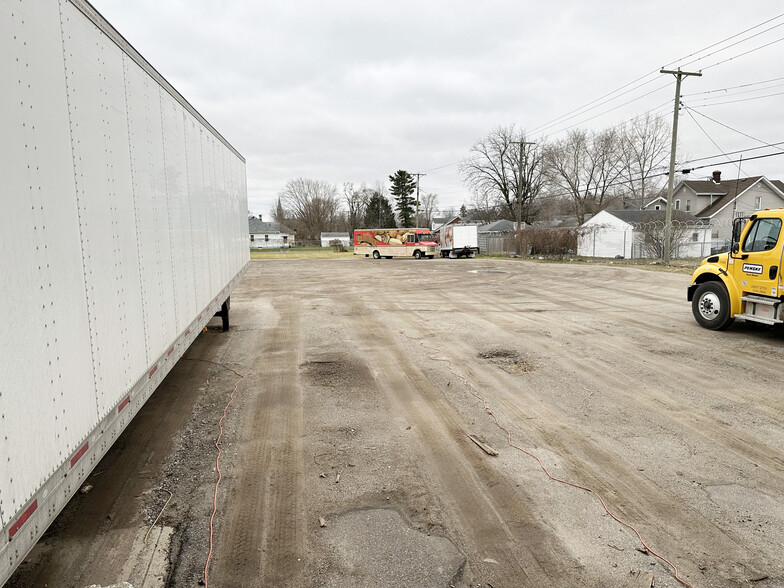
pixel 510 361
pixel 377 547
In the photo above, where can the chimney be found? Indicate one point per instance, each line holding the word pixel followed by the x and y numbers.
pixel 717 177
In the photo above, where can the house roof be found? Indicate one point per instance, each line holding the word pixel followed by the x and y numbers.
pixel 727 190
pixel 256 226
pixel 648 216
pixel 440 221
pixel 655 199
pixel 499 226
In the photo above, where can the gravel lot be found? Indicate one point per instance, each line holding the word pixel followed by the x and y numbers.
pixel 346 452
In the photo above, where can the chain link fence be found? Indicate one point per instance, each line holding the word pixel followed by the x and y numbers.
pixel 631 241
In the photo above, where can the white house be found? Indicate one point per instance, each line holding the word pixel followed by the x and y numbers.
pixel 327 238
pixel 640 233
pixel 270 235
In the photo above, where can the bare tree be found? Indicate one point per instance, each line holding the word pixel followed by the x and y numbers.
pixel 427 208
pixel 485 208
pixel 314 204
pixel 585 166
pixel 644 147
pixel 506 168
pixel 356 200
pixel 651 237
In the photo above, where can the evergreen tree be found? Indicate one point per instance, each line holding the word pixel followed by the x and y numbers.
pixel 379 214
pixel 403 186
pixel 463 212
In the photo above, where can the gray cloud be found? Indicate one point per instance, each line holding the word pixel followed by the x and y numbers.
pixel 352 91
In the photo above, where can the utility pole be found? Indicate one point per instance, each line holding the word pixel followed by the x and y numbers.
pixel 417 201
pixel 679 75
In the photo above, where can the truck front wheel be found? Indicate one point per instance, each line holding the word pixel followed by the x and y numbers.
pixel 376 255
pixel 711 306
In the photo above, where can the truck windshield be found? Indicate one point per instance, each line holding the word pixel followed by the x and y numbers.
pixel 425 237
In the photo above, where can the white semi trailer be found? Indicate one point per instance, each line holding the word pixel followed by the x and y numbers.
pixel 124 231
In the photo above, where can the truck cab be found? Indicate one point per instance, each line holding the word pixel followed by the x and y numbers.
pixel 746 282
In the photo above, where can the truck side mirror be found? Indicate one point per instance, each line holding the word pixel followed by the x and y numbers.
pixel 735 248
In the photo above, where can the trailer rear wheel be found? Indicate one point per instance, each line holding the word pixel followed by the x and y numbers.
pixel 711 306
pixel 376 255
pixel 417 254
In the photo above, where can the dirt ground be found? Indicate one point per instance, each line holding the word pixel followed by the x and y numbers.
pixel 346 452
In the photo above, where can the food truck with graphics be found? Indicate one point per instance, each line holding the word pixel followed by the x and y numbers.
pixel 389 243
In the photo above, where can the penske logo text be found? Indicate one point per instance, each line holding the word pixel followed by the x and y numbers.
pixel 752 268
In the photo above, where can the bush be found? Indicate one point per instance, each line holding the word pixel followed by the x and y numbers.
pixel 541 241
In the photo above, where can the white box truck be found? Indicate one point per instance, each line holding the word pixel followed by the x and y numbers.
pixel 125 231
pixel 459 241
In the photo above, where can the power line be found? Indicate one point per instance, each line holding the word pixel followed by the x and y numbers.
pixel 615 108
pixel 734 87
pixel 709 137
pixel 733 45
pixel 740 100
pixel 735 161
pixel 583 110
pixel 762 24
pixel 442 166
pixel 732 129
pixel 734 152
pixel 745 53
pixel 592 104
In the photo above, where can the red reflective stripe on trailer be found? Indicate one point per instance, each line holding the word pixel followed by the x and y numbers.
pixel 198 319
pixel 188 332
pixel 79 454
pixel 153 370
pixel 124 403
pixel 170 352
pixel 23 519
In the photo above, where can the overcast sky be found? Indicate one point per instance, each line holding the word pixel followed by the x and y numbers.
pixel 353 90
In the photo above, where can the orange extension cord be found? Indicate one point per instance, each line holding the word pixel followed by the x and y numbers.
pixel 488 410
pixel 217 459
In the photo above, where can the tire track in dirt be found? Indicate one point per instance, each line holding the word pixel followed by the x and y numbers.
pixel 605 471
pixel 493 520
pixel 262 536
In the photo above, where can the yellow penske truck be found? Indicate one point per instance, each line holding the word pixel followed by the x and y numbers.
pixel 746 282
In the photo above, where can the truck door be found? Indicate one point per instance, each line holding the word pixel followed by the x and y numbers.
pixel 756 265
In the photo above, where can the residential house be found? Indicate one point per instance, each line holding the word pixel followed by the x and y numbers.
pixel 442 221
pixel 640 233
pixel 269 235
pixel 720 201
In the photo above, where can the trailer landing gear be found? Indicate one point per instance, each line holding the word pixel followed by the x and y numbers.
pixel 224 313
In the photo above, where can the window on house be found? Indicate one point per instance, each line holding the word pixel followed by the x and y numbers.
pixel 253 237
pixel 758 204
pixel 266 237
pixel 657 207
pixel 688 205
pixel 285 238
pixel 677 204
pixel 695 237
